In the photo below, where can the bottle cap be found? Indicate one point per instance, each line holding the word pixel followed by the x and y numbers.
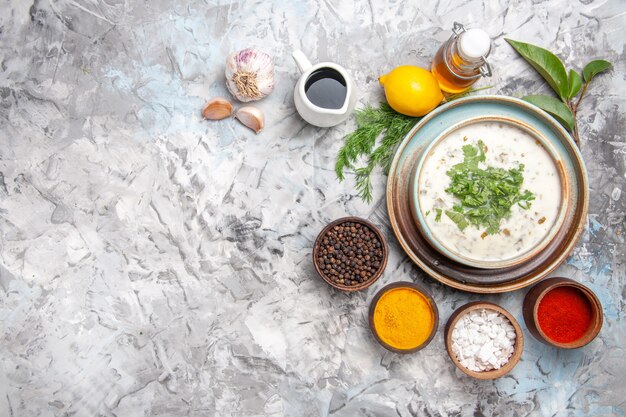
pixel 474 44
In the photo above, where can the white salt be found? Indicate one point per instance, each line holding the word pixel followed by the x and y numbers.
pixel 483 340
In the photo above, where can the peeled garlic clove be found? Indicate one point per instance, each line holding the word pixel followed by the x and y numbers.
pixel 251 117
pixel 217 109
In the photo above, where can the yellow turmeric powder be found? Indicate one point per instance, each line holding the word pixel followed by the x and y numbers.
pixel 403 318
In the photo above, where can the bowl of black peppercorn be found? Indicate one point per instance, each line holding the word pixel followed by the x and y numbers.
pixel 350 254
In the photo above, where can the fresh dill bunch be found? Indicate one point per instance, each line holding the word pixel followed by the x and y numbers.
pixel 371 123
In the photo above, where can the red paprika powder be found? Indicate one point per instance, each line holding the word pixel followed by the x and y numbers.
pixel 564 314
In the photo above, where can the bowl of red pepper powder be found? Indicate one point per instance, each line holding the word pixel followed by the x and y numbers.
pixel 562 313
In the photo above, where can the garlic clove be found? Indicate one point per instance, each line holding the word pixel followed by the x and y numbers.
pixel 217 109
pixel 251 117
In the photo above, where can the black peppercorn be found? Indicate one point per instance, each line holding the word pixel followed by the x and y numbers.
pixel 350 254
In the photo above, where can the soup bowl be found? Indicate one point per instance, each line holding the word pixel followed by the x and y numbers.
pixel 507 144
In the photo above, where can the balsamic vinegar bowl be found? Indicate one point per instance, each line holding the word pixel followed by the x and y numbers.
pixel 536 294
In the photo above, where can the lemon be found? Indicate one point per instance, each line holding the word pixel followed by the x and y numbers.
pixel 411 90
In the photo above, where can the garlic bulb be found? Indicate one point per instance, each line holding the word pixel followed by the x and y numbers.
pixel 249 74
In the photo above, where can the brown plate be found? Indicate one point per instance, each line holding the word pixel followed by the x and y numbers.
pixel 477 279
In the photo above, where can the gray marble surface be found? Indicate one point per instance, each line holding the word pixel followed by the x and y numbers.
pixel 155 264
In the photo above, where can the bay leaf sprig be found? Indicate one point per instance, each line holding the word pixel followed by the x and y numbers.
pixel 566 85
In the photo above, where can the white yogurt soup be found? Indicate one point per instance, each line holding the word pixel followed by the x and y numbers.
pixel 506 146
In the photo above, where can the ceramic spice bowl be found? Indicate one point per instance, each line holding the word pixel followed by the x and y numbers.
pixel 563 313
pixel 350 254
pixel 476 308
pixel 403 317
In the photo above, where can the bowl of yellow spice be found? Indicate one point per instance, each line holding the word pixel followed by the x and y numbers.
pixel 403 317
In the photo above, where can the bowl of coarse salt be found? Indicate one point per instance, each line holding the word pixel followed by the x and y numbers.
pixel 484 340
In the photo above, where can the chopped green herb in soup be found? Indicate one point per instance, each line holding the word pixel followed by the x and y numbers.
pixel 485 195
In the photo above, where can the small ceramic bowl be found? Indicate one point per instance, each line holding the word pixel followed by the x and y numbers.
pixel 413 286
pixel 364 284
pixel 420 213
pixel 536 294
pixel 519 339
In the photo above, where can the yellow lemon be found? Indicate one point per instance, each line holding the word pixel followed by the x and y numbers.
pixel 411 90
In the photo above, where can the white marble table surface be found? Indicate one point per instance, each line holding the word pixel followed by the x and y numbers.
pixel 155 264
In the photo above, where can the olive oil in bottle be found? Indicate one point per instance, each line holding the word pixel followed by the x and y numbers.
pixel 462 59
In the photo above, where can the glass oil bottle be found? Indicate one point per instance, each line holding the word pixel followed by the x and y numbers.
pixel 462 59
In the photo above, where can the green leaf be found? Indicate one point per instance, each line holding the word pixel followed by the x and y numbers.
pixel 573 85
pixel 594 68
pixel 438 216
pixel 554 107
pixel 457 218
pixel 545 63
